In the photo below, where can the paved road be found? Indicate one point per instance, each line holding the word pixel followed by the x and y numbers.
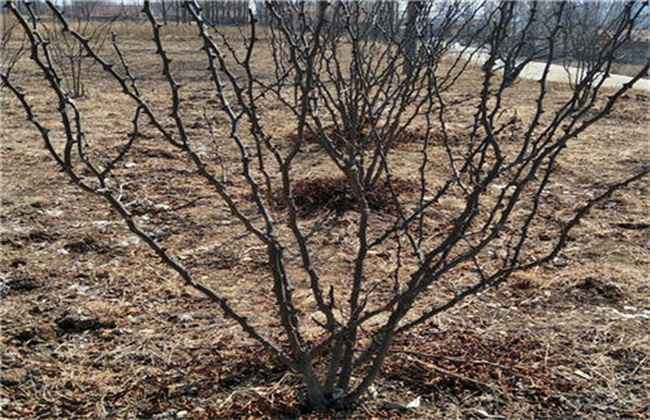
pixel 558 73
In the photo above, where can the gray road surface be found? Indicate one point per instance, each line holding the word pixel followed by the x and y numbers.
pixel 559 73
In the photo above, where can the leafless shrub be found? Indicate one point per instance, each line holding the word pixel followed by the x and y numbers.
pixel 67 54
pixel 498 176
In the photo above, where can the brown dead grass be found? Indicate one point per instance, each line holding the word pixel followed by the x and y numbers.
pixel 567 340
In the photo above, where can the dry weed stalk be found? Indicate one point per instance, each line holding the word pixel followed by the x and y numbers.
pixel 390 82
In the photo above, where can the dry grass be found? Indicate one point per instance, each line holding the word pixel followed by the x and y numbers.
pixel 567 340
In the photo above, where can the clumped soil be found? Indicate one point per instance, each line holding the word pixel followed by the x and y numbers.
pixel 92 325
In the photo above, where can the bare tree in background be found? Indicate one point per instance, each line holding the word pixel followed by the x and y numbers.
pixel 12 45
pixel 414 10
pixel 67 54
pixel 347 94
pixel 587 29
pixel 164 7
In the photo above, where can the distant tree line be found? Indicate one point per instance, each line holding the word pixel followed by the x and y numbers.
pixel 216 13
pixel 223 12
pixel 586 26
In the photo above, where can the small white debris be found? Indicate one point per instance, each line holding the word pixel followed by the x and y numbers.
pixel 560 261
pixel 54 213
pixel 129 241
pixel 103 225
pixel 185 318
pixel 614 313
pixel 415 403
pixel 486 415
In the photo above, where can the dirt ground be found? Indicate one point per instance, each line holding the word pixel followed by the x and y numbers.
pixel 93 326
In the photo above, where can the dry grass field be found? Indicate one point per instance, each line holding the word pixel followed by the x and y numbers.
pixel 568 340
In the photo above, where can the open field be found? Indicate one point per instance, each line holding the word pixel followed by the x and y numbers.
pixel 567 340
